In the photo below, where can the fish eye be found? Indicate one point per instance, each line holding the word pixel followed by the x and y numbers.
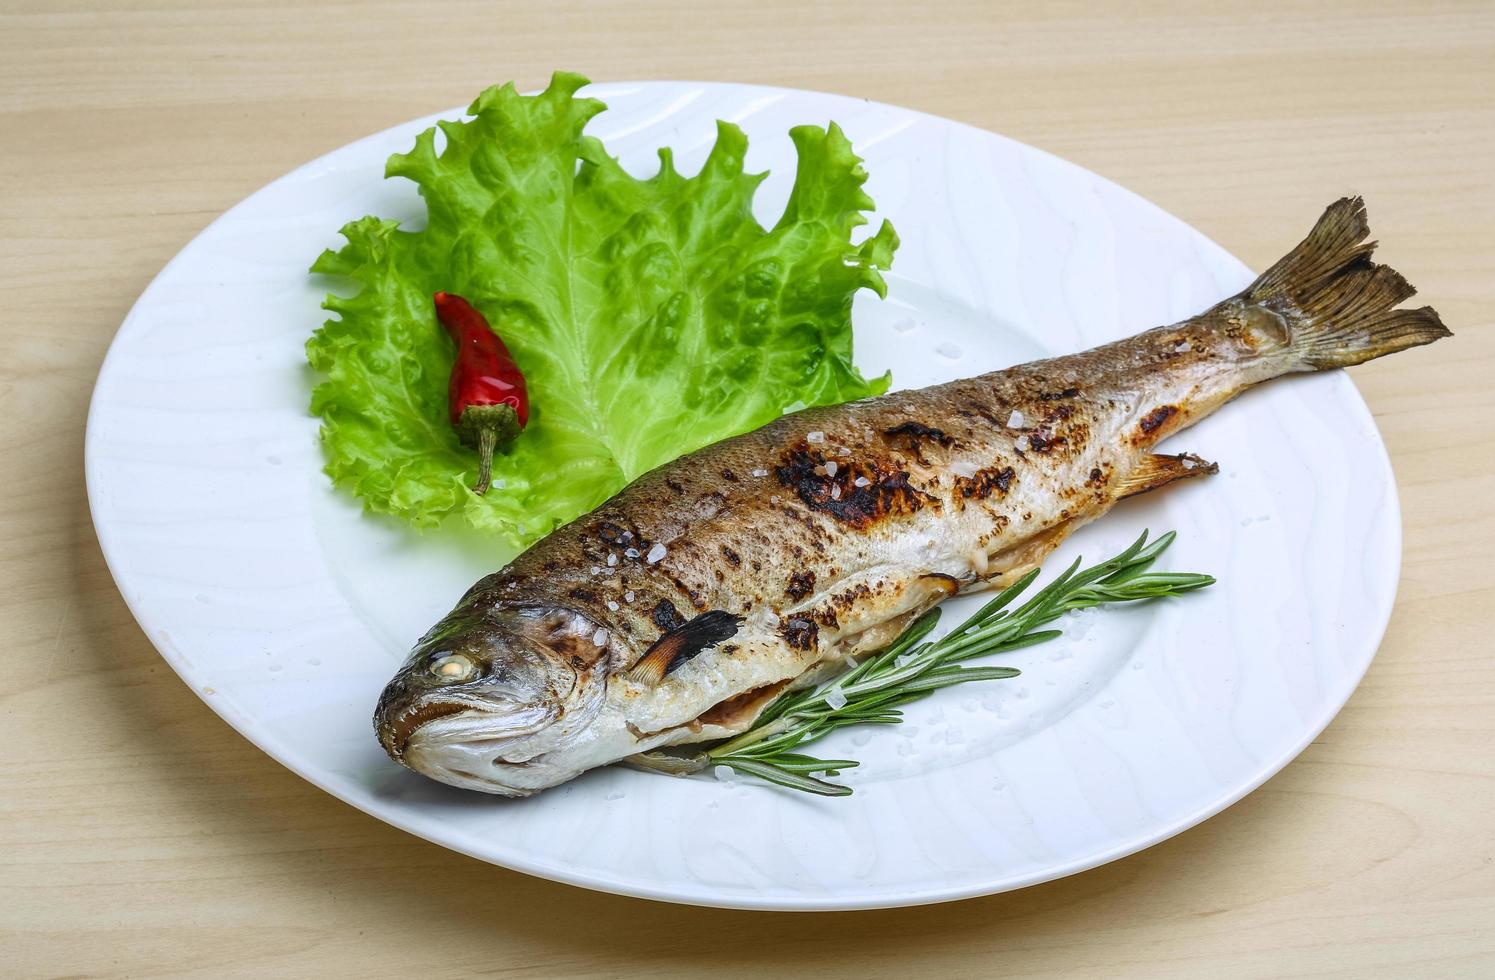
pixel 452 667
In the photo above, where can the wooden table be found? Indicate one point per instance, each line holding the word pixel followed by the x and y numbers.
pixel 141 835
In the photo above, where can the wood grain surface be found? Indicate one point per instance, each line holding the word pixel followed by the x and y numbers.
pixel 139 835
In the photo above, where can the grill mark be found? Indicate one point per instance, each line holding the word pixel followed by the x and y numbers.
pixel 800 632
pixel 845 600
pixel 613 534
pixel 800 585
pixel 1041 442
pixel 985 482
pixel 912 433
pixel 886 495
pixel 666 616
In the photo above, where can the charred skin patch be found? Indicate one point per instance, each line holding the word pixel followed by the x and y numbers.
pixel 1156 418
pixel 1042 442
pixel 910 434
pixel 800 585
pixel 887 494
pixel 800 632
pixel 845 600
pixel 733 558
pixel 985 483
pixel 666 616
pixel 614 534
pixel 1050 396
pixel 730 476
pixel 913 437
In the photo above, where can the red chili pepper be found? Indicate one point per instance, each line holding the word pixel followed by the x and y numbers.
pixel 488 400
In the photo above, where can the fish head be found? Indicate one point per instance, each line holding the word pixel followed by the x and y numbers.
pixel 491 700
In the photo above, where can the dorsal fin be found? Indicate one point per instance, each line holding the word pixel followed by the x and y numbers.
pixel 683 642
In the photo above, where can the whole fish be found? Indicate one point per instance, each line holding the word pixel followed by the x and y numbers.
pixel 680 608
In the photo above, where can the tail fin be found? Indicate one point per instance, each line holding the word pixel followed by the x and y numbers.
pixel 1336 301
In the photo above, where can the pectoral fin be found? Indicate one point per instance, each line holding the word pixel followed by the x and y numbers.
pixel 683 642
pixel 1160 469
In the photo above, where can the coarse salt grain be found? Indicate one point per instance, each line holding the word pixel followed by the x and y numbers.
pixel 862 481
pixel 774 499
pixel 843 451
pixel 1183 347
pixel 816 436
pixel 770 617
pixel 1189 464
pixel 830 468
pixel 1015 420
pixel 596 570
pixel 836 492
pixel 612 560
pixel 612 605
pixel 1021 444
pixel 628 596
pixel 630 552
pixel 760 472
pixel 655 553
pixel 499 484
pixel 599 638
pixel 836 698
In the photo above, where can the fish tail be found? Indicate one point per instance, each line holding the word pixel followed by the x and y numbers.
pixel 1337 303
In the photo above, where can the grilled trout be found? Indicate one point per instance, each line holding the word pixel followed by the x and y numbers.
pixel 680 608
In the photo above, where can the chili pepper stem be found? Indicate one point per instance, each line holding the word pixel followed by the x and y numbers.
pixel 485 428
pixel 487 442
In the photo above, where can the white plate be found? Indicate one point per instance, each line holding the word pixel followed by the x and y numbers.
pixel 287 610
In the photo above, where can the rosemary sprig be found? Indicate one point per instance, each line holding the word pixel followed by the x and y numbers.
pixel 873 692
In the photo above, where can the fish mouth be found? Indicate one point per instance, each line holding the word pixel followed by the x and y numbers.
pixel 493 751
pixel 395 734
pixel 468 742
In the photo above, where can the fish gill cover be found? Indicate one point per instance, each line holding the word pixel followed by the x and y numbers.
pixel 651 317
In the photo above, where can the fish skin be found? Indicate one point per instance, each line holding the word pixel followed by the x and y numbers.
pixel 967 485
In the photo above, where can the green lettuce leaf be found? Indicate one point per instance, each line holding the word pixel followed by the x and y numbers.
pixel 650 317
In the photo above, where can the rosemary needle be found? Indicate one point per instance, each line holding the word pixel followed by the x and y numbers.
pixel 911 668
